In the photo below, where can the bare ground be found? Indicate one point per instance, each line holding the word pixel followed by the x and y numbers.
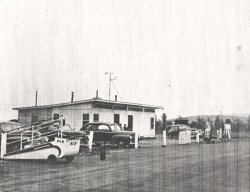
pixel 194 167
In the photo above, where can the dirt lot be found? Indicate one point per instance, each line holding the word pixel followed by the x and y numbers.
pixel 195 167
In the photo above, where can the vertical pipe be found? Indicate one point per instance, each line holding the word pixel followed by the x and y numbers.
pixel 36 99
pixel 96 94
pixel 109 84
pixel 72 97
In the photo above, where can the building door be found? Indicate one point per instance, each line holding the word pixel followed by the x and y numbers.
pixel 117 118
pixel 130 122
pixel 34 117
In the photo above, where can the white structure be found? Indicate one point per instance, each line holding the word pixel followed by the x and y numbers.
pixel 185 137
pixel 137 117
pixel 228 130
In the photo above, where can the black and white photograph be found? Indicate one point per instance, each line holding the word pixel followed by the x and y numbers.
pixel 125 95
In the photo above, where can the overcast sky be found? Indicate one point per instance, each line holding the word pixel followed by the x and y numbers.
pixel 190 56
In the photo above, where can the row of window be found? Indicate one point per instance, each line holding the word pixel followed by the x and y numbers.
pixel 116 120
pixel 85 119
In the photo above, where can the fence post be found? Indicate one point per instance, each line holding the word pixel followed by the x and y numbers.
pixel 91 136
pixel 32 136
pixel 136 140
pixel 21 142
pixel 197 137
pixel 229 134
pixel 3 144
pixel 220 133
pixel 164 135
pixel 102 152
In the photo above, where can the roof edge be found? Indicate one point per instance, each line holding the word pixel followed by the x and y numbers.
pixel 88 101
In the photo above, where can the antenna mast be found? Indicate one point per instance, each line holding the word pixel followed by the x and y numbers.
pixel 110 80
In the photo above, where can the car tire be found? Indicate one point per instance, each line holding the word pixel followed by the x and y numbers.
pixel 52 159
pixel 125 143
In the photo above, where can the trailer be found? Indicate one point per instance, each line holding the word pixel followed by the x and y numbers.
pixel 47 141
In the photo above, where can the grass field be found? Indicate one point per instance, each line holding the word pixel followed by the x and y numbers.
pixel 194 167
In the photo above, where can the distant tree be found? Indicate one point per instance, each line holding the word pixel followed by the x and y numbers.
pixel 201 123
pixel 238 125
pixel 194 124
pixel 158 123
pixel 217 123
pixel 164 120
pixel 222 124
pixel 248 122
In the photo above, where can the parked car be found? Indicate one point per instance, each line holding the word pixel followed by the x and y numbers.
pixel 175 129
pixel 109 133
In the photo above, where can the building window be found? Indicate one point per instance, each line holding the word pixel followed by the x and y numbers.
pixel 152 123
pixel 96 117
pixel 130 122
pixel 85 119
pixel 34 117
pixel 117 118
pixel 56 116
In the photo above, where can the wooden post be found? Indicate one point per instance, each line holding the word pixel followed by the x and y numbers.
pixel 197 137
pixel 229 134
pixel 32 135
pixel 220 133
pixel 21 142
pixel 91 136
pixel 164 135
pixel 136 140
pixel 3 144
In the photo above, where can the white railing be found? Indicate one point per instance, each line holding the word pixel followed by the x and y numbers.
pixel 35 128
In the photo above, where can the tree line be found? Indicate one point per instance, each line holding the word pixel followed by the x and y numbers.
pixel 237 124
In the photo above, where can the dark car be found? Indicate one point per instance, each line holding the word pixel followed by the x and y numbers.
pixel 173 130
pixel 109 133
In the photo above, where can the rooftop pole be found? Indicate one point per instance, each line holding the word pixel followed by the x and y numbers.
pixel 109 84
pixel 36 99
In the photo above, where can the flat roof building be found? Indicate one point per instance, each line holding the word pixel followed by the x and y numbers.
pixel 137 117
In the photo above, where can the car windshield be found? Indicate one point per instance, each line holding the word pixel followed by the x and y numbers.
pixel 173 128
pixel 91 127
pixel 115 127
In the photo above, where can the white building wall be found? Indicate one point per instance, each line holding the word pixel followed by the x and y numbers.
pixel 74 115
